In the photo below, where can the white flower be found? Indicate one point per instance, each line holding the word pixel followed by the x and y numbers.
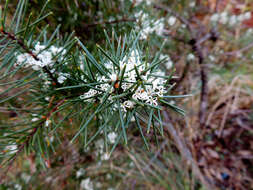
pixel 45 57
pixel 131 165
pixel 98 185
pixel 215 17
pixel 18 187
pixel 137 2
pixel 25 177
pixel 86 184
pixel 47 123
pixel 113 77
pixel 172 20
pixel 148 25
pixel 105 156
pixel 224 17
pixel 212 58
pixel 108 176
pixel 131 62
pixel 80 172
pixel 112 137
pixel 247 15
pixel 35 119
pixel 192 4
pixel 233 20
pixel 11 148
pixel 62 77
pixel 190 57
pixel 240 17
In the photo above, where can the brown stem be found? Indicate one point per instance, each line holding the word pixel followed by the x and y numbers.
pixel 184 150
pixel 204 95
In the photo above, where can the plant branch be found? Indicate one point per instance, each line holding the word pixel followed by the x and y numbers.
pixel 33 132
pixel 27 50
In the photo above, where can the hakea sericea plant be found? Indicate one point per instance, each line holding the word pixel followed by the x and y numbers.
pixel 126 88
pixel 61 83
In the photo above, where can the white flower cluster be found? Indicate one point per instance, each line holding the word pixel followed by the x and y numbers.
pixel 148 25
pixel 232 20
pixel 45 58
pixel 137 2
pixel 190 57
pixel 112 137
pixel 172 20
pixel 86 184
pixel 151 88
pixel 44 55
pixel 11 148
pixel 80 173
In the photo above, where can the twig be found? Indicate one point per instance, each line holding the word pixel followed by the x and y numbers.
pixel 204 95
pixel 27 50
pixel 249 46
pixel 185 152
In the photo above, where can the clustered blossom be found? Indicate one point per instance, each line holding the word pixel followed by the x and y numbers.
pixel 45 58
pixel 148 25
pixel 152 83
pixel 11 148
pixel 172 20
pixel 137 2
pixel 80 173
pixel 86 184
pixel 232 20
pixel 190 57
pixel 112 137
